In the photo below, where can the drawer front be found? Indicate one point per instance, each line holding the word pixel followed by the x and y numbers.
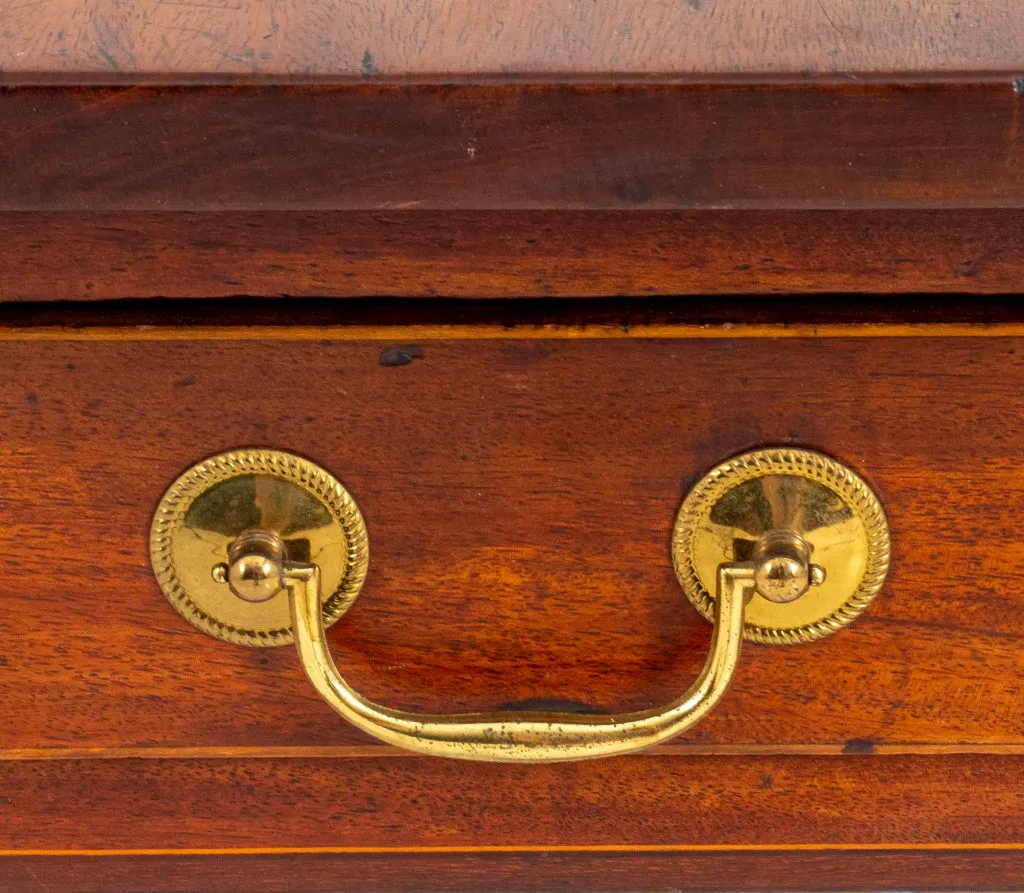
pixel 519 495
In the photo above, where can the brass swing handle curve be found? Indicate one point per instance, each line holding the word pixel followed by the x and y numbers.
pixel 520 737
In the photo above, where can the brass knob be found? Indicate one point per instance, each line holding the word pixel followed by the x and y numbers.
pixel 783 566
pixel 254 565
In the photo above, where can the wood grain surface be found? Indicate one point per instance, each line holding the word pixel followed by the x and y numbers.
pixel 421 806
pixel 372 147
pixel 46 256
pixel 873 870
pixel 519 484
pixel 622 824
pixel 519 497
pixel 243 39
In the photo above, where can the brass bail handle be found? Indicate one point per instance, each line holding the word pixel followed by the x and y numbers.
pixel 781 572
pixel 751 547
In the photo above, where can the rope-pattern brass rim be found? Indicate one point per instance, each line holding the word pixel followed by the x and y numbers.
pixel 817 467
pixel 180 495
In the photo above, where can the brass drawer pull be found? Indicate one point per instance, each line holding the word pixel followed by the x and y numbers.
pixel 233 539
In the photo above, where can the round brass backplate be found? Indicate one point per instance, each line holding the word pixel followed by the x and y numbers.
pixel 825 502
pixel 206 508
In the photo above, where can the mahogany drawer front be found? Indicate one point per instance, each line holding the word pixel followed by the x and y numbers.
pixel 519 495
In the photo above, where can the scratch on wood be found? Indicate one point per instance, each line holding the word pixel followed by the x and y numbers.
pixel 831 21
pixel 110 60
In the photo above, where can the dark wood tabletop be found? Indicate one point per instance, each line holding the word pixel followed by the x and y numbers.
pixel 509 149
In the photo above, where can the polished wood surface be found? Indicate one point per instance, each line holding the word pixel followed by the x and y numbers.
pixel 631 823
pixel 481 467
pixel 862 870
pixel 242 39
pixel 512 148
pixel 49 256
pixel 419 805
pixel 519 486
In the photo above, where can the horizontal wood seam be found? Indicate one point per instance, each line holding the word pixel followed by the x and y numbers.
pixel 853 80
pixel 497 333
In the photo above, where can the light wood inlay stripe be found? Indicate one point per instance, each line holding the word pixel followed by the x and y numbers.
pixel 377 751
pixel 597 848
